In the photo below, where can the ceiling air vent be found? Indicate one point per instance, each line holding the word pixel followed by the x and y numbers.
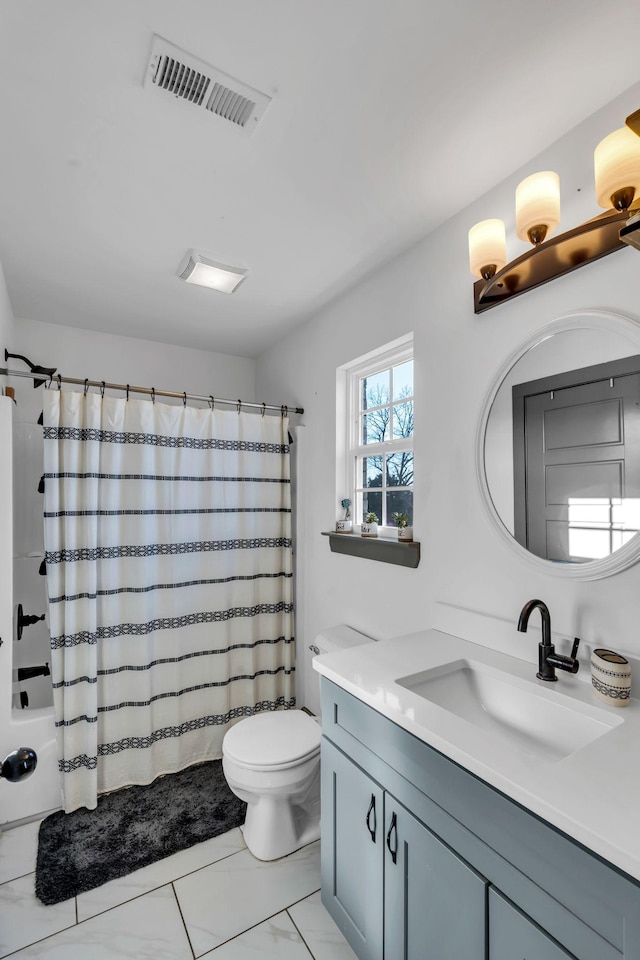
pixel 172 72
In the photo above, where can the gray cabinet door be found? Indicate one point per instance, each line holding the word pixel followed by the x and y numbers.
pixel 352 852
pixel 512 936
pixel 435 903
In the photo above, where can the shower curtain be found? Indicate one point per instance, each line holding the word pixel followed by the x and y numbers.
pixel 169 574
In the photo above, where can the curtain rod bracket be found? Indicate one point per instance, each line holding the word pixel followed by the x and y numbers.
pixel 34 367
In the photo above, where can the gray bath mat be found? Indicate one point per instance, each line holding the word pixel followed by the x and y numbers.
pixel 131 828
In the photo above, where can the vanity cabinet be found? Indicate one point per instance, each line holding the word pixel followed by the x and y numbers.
pixel 513 935
pixel 352 827
pixel 393 887
pixel 475 877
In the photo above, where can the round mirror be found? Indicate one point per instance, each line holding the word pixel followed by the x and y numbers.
pixel 558 452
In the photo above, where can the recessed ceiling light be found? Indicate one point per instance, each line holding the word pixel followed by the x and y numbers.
pixel 200 269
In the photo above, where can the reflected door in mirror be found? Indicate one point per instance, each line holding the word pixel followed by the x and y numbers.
pixel 577 462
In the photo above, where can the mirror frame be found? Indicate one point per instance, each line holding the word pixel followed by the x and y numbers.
pixel 623 326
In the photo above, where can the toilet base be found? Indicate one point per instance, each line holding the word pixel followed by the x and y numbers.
pixel 276 825
pixel 274 844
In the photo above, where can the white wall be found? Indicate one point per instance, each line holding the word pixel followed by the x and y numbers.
pixel 6 319
pixel 429 290
pixel 103 356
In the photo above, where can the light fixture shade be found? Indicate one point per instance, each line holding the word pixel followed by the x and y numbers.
pixel 201 269
pixel 617 169
pixel 487 248
pixel 538 206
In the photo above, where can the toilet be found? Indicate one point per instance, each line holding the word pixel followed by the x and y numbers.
pixel 272 762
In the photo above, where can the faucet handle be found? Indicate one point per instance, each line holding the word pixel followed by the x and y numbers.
pixel 574 648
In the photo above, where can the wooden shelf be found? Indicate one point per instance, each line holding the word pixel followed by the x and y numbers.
pixel 383 549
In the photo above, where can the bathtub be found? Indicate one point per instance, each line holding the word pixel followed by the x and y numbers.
pixel 19 562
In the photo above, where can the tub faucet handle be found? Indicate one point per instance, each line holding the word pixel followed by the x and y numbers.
pixel 26 620
pixel 19 764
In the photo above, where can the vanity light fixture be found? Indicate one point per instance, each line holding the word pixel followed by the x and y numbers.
pixel 633 122
pixel 538 206
pixel 617 180
pixel 202 269
pixel 487 248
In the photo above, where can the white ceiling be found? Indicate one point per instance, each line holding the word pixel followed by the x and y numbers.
pixel 387 117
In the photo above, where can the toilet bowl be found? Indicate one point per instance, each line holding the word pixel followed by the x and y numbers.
pixel 272 762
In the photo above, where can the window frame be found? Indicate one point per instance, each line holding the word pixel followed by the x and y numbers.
pixel 392 355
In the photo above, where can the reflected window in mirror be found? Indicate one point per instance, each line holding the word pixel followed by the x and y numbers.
pixel 599 526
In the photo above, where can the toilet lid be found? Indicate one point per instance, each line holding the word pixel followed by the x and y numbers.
pixel 273 739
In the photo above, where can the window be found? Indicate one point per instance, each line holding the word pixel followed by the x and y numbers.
pixel 380 440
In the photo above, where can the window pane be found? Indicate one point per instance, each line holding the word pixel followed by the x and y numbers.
pixel 371 471
pixel 403 420
pixel 374 390
pixel 627 512
pixel 589 544
pixel 400 469
pixel 403 380
pixel 400 501
pixel 375 426
pixel 372 500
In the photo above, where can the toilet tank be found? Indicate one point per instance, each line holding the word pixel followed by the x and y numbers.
pixel 328 641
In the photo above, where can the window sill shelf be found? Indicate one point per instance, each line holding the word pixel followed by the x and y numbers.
pixel 383 549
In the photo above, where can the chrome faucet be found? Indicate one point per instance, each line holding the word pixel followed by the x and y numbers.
pixel 548 659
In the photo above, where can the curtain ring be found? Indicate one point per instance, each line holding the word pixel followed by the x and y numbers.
pixel 282 411
pixel 184 399
pixel 239 405
pixel 86 386
pixel 211 400
pixel 153 394
pixel 47 385
pixel 127 391
pixel 264 407
pixel 59 379
pixel 102 386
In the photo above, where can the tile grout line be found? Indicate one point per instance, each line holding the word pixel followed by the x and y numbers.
pixel 159 886
pixel 260 922
pixel 300 934
pixel 184 924
pixel 26 946
pixel 20 876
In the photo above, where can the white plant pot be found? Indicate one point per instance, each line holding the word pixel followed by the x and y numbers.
pixel 369 529
pixel 344 526
pixel 405 533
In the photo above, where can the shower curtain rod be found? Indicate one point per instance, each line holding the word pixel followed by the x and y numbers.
pixel 149 391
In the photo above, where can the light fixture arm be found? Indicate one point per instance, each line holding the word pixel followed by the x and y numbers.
pixel 560 255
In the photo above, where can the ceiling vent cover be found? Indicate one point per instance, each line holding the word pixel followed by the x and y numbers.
pixel 171 72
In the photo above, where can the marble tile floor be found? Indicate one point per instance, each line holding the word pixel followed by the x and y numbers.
pixel 214 900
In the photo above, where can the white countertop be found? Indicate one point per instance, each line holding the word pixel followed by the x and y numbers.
pixel 592 794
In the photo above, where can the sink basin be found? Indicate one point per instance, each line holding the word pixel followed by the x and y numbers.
pixel 537 721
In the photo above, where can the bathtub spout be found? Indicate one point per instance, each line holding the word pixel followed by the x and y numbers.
pixel 27 673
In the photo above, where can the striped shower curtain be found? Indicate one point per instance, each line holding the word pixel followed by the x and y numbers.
pixel 169 573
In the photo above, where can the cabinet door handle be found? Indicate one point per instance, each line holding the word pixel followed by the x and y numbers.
pixel 393 832
pixel 371 811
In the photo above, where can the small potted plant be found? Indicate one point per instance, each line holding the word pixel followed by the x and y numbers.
pixel 401 520
pixel 369 525
pixel 346 524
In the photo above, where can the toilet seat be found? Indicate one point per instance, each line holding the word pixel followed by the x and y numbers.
pixel 278 739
